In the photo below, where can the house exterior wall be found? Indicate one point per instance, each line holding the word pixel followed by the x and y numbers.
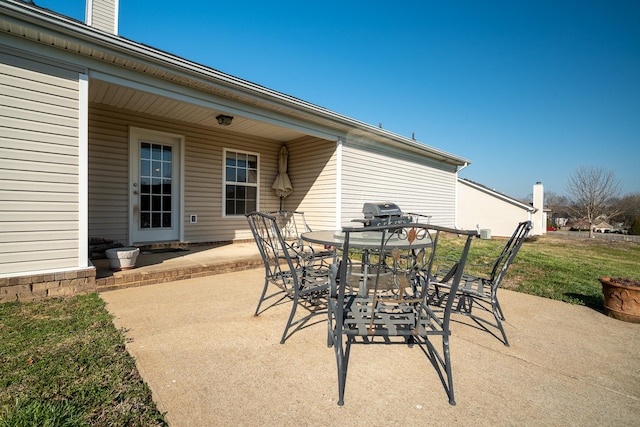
pixel 376 173
pixel 40 173
pixel 310 161
pixel 312 170
pixel 65 167
pixel 478 209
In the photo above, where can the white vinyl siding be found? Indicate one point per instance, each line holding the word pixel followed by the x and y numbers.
pixel 108 176
pixel 202 176
pixel 203 181
pixel 103 15
pixel 372 172
pixel 482 209
pixel 39 172
pixel 312 170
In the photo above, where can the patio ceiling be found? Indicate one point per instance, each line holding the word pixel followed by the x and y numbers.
pixel 109 94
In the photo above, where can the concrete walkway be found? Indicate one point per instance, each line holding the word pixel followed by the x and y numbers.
pixel 210 362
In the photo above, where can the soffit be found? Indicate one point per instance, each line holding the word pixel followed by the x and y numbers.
pixel 104 93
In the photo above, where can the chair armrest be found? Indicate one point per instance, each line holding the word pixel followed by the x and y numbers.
pixel 334 270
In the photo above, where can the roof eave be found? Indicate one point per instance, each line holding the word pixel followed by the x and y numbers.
pixel 73 28
pixel 498 195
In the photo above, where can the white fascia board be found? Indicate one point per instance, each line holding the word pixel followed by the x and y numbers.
pixel 498 195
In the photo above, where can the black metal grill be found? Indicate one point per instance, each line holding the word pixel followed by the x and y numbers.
pixel 383 213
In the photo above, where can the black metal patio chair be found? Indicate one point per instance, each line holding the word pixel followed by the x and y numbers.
pixel 292 224
pixel 389 303
pixel 477 293
pixel 290 266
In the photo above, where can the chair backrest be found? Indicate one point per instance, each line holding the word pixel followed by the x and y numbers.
pixel 272 246
pixel 397 268
pixel 418 217
pixel 509 252
pixel 291 223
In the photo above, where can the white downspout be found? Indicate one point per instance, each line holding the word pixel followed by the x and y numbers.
pixel 88 14
pixel 539 224
pixel 83 171
pixel 339 145
pixel 455 208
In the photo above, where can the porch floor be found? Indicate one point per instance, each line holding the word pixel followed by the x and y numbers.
pixel 167 264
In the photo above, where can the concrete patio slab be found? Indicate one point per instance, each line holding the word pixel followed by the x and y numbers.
pixel 210 362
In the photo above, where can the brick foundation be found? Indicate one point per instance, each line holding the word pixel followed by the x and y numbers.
pixel 133 278
pixel 49 285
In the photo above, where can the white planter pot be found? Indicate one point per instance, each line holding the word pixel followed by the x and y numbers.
pixel 122 258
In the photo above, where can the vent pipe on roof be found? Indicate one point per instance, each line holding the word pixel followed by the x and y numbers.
pixel 102 15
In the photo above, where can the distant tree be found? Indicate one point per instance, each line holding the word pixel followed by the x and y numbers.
pixel 593 191
pixel 629 206
pixel 557 207
pixel 553 200
pixel 635 228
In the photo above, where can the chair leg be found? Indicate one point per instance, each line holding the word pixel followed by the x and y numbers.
pixel 330 337
pixel 264 292
pixel 465 306
pixel 497 313
pixel 497 304
pixel 342 351
pixel 293 313
pixel 447 368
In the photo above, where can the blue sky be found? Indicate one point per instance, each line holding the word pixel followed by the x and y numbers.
pixel 528 90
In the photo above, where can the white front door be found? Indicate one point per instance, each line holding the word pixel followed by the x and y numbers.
pixel 155 198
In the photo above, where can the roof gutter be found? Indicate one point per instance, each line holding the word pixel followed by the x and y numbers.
pixel 463 166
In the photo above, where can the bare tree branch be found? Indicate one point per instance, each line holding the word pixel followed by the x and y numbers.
pixel 594 192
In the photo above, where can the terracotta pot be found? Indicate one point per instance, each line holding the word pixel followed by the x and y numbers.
pixel 621 298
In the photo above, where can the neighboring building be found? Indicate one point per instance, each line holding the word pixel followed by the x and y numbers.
pixel 560 219
pixel 496 214
pixel 602 227
pixel 579 224
pixel 104 137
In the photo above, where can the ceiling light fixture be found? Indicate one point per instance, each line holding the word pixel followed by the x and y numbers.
pixel 224 120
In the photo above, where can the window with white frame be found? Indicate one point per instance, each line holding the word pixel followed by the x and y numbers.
pixel 240 182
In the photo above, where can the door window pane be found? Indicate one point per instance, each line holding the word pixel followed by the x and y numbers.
pixel 156 171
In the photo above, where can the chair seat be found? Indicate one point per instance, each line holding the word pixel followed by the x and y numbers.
pixel 309 282
pixel 473 285
pixel 390 318
pixel 479 294
pixel 313 282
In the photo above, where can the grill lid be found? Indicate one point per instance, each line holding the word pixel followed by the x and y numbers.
pixel 381 209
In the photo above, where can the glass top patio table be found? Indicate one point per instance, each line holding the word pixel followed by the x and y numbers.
pixel 361 240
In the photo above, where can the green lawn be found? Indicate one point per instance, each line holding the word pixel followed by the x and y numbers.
pixel 65 364
pixel 566 269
